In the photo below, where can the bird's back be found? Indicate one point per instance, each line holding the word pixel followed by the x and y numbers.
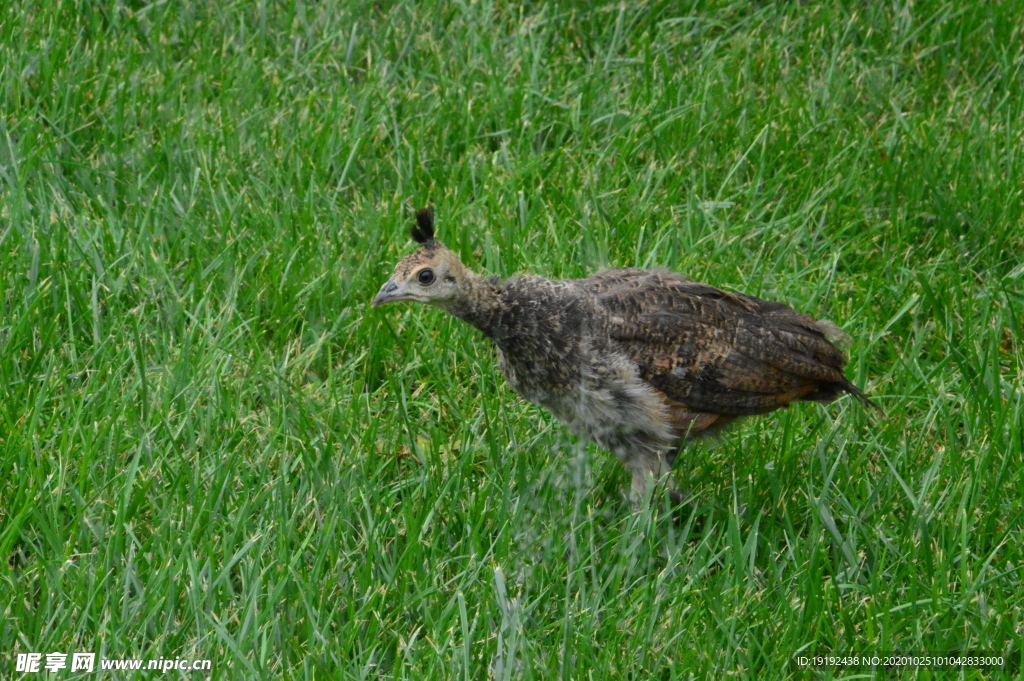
pixel 710 351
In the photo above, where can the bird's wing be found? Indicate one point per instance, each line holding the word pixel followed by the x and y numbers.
pixel 713 351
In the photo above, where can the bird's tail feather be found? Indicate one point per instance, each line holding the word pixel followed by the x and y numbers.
pixel 861 396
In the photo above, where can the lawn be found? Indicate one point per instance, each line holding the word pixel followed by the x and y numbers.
pixel 211 447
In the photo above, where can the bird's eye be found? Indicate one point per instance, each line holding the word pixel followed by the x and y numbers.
pixel 426 277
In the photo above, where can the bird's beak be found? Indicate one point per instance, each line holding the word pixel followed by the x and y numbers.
pixel 388 293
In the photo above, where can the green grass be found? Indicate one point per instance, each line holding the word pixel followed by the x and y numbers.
pixel 211 447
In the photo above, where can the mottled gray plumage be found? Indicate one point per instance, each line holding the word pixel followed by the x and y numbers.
pixel 636 360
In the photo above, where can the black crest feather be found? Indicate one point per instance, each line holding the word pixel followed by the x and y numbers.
pixel 423 230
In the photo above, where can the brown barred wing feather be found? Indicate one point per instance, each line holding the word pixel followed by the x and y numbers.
pixel 715 352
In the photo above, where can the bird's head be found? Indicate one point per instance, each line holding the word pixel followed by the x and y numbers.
pixel 432 274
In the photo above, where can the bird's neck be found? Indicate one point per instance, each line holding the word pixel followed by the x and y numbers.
pixel 479 302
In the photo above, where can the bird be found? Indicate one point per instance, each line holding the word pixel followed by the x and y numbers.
pixel 638 361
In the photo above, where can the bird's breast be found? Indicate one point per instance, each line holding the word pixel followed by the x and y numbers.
pixel 599 396
pixel 535 377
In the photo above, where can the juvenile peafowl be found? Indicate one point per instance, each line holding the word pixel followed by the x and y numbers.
pixel 635 360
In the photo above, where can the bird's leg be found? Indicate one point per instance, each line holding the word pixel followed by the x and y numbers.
pixel 674 494
pixel 647 469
